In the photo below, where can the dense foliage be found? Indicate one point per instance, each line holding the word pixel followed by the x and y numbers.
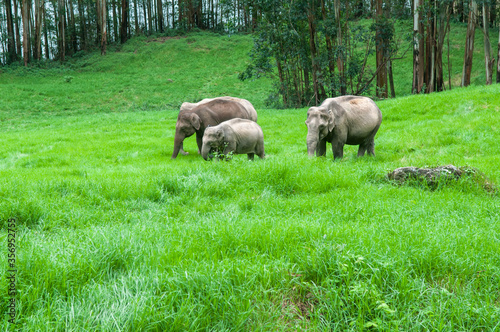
pixel 317 50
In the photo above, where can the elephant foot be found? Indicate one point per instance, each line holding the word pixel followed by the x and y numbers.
pixel 184 153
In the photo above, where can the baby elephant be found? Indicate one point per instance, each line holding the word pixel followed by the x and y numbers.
pixel 235 135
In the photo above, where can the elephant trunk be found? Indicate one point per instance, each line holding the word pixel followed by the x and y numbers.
pixel 312 144
pixel 177 144
pixel 205 150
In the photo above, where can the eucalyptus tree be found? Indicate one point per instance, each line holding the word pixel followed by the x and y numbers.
pixel 498 56
pixel 39 9
pixel 469 43
pixel 431 24
pixel 315 49
pixel 488 59
pixel 25 13
pixel 11 40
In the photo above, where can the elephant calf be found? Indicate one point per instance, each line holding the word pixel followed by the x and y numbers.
pixel 351 120
pixel 237 135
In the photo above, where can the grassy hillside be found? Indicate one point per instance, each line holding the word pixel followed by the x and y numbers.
pixel 160 73
pixel 144 74
pixel 113 235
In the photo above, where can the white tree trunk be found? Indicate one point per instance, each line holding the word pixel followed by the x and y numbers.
pixel 488 60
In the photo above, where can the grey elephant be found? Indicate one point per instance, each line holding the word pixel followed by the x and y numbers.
pixel 195 120
pixel 239 136
pixel 252 113
pixel 352 120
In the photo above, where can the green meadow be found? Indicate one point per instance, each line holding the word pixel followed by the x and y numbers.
pixel 113 235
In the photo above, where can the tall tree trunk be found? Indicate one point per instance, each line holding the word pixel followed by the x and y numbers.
pixel 108 22
pixel 469 44
pixel 340 56
pixel 83 28
pixel 380 46
pixel 312 48
pixel 115 20
pixel 150 17
pixel 61 40
pixel 101 18
pixel 173 14
pixel 39 8
pixel 498 56
pixel 144 11
pixel 46 37
pixel 418 48
pixel 167 17
pixel 136 17
pixel 160 15
pixel 25 16
pixel 3 44
pixel 124 22
pixel 444 24
pixel 449 62
pixel 16 24
pixel 391 78
pixel 488 59
pixel 329 48
pixel 493 13
pixel 430 63
pixel 72 24
pixel 282 80
pixel 11 41
pixel 32 17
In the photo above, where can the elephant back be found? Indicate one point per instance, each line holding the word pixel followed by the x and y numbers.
pixel 220 110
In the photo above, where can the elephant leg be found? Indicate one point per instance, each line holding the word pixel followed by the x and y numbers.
pixel 362 150
pixel 184 153
pixel 367 146
pixel 259 150
pixel 250 156
pixel 370 146
pixel 338 150
pixel 321 149
pixel 199 141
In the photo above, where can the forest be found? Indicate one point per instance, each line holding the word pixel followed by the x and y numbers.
pixel 314 48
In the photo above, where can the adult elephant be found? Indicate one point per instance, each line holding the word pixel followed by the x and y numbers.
pixel 352 120
pixel 252 113
pixel 195 120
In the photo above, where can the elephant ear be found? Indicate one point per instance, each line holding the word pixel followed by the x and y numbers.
pixel 331 119
pixel 220 135
pixel 328 117
pixel 195 121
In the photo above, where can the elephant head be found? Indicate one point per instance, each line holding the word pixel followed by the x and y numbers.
pixel 320 122
pixel 187 124
pixel 213 141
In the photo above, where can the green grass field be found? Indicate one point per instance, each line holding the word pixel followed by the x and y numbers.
pixel 113 235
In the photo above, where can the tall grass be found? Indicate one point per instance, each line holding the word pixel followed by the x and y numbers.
pixel 113 235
